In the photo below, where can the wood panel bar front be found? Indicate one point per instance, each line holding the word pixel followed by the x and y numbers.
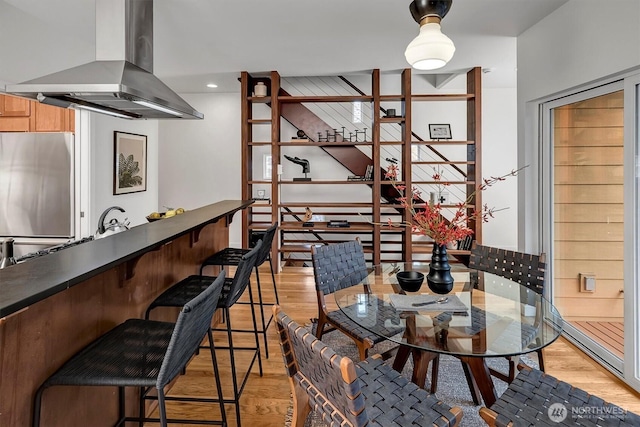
pixel 36 340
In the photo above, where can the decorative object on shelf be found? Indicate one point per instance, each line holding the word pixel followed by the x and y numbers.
pixel 300 136
pixel 130 174
pixel 410 281
pixel 439 131
pixel 306 168
pixel 308 214
pixel 391 113
pixel 439 278
pixel 7 253
pixel 338 224
pixel 431 49
pixel 306 221
pixel 260 89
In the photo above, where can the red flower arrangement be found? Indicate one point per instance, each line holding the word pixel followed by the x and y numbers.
pixel 427 219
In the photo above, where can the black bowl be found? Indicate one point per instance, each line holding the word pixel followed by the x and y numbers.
pixel 410 281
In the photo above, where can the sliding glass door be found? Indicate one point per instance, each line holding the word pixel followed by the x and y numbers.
pixel 590 195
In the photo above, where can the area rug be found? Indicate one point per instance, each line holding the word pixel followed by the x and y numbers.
pixel 452 386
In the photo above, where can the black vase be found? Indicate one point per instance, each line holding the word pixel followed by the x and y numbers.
pixel 439 278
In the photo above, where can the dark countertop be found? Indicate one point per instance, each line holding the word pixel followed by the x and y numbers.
pixel 36 279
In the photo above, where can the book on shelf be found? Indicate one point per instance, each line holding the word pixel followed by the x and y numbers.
pixel 338 224
pixel 356 178
pixel 261 200
pixel 294 139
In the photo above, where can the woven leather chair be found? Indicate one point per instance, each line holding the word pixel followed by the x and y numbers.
pixel 527 400
pixel 526 269
pixel 232 290
pixel 365 393
pixel 336 267
pixel 145 354
pixel 232 256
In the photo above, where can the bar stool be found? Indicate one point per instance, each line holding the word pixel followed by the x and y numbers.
pixel 146 354
pixel 232 290
pixel 232 256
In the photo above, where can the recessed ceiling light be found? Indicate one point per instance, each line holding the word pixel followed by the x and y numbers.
pixel 212 85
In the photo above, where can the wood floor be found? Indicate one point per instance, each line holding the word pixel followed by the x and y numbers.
pixel 609 334
pixel 265 399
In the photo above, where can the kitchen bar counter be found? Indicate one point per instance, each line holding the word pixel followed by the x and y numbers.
pixel 54 305
pixel 36 279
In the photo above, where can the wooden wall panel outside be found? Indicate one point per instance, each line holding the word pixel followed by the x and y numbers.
pixel 591 231
pixel 588 202
pixel 587 137
pixel 36 341
pixel 565 213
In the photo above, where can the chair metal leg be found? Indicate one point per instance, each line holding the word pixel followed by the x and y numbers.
pixel 162 408
pixel 234 380
pixel 214 362
pixel 273 278
pixel 255 329
pixel 142 407
pixel 37 406
pixel 261 305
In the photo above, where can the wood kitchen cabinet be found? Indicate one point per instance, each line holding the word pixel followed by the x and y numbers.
pixel 23 115
pixel 12 106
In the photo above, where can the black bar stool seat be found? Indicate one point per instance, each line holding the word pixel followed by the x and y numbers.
pixel 232 257
pixel 147 354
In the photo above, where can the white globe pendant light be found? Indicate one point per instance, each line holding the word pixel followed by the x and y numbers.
pixel 431 49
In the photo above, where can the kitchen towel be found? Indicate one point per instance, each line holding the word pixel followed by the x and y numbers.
pixel 405 303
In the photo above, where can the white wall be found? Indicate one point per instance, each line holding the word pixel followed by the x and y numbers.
pixel 582 41
pixel 199 160
pixel 102 159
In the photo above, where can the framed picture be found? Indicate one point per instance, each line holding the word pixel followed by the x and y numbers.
pixel 130 173
pixel 440 131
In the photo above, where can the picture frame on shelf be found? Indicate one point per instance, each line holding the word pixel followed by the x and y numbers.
pixel 130 163
pixel 440 131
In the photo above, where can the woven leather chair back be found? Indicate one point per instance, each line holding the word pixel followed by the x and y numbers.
pixel 526 269
pixel 330 380
pixel 193 323
pixel 242 276
pixel 267 241
pixel 338 266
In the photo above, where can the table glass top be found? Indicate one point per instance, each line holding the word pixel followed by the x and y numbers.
pixel 484 315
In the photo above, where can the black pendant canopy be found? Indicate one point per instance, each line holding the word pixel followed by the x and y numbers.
pixel 421 8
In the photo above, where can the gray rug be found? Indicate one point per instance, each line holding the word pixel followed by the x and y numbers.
pixel 452 386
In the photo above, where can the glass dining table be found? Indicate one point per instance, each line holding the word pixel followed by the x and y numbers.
pixel 484 316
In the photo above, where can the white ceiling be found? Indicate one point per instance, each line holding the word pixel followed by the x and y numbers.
pixel 202 41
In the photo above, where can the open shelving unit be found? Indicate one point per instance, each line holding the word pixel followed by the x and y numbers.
pixel 264 116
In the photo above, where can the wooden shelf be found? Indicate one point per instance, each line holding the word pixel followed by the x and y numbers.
pixel 391 119
pixel 324 144
pixel 326 181
pixel 443 97
pixel 381 241
pixel 322 226
pixel 443 142
pixel 346 98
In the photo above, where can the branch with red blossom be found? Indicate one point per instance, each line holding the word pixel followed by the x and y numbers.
pixel 428 220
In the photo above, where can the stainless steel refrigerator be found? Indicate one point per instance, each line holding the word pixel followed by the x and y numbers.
pixel 36 189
